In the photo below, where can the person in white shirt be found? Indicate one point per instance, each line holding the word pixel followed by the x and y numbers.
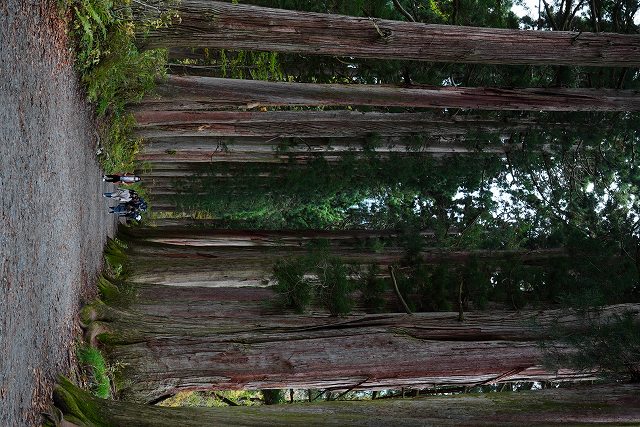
pixel 122 179
pixel 121 195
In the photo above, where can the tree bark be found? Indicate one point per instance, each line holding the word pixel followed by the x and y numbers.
pixel 336 124
pixel 270 150
pixel 166 354
pixel 186 154
pixel 204 93
pixel 201 23
pixel 189 262
pixel 602 404
pixel 206 236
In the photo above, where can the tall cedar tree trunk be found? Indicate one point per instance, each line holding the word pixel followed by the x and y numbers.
pixel 228 258
pixel 202 93
pixel 202 235
pixel 212 24
pixel 216 262
pixel 266 149
pixel 602 404
pixel 183 350
pixel 326 124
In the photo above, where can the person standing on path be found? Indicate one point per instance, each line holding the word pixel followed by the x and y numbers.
pixel 121 195
pixel 122 179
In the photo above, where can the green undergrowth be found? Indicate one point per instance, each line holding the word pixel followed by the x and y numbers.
pixel 116 259
pixel 92 361
pixel 273 396
pixel 213 398
pixel 114 72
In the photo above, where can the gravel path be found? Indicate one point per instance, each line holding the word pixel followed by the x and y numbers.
pixel 53 222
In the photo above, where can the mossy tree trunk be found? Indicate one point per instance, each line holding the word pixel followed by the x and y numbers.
pixel 186 349
pixel 213 24
pixel 604 405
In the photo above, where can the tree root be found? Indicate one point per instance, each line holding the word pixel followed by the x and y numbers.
pixel 92 331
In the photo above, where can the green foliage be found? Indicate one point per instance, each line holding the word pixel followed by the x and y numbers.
pixel 121 146
pixel 273 396
pixel 91 20
pixel 317 277
pixel 295 290
pixel 210 399
pixel 438 291
pixel 113 71
pixel 223 63
pixel 371 190
pixel 92 359
pixel 372 289
pixel 609 346
pixel 511 281
pixel 335 288
pixel 476 284
pixel 248 65
pixel 428 287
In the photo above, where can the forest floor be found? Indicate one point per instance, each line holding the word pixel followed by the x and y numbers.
pixel 53 220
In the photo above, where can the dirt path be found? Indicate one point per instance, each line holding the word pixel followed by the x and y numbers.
pixel 53 222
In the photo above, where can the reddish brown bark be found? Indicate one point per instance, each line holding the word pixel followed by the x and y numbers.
pixel 201 235
pixel 218 262
pixel 302 124
pixel 239 27
pixel 181 150
pixel 203 93
pixel 168 353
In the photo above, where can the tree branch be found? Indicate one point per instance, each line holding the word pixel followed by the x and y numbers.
pixel 350 389
pixel 395 286
pixel 549 13
pixel 403 11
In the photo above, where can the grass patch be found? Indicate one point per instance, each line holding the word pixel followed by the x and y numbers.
pixel 114 72
pixel 92 360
